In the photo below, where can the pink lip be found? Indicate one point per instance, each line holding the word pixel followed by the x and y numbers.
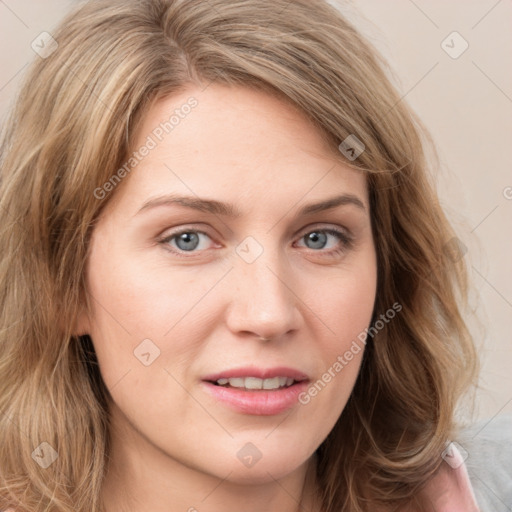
pixel 261 373
pixel 257 402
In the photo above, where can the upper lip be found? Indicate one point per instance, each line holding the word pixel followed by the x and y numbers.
pixel 261 373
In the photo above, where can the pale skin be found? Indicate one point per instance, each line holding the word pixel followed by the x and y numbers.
pixel 206 308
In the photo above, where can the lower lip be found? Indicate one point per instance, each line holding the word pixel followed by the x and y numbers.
pixel 258 402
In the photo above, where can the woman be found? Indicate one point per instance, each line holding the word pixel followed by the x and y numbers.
pixel 224 272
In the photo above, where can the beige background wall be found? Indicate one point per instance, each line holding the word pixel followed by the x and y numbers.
pixel 466 102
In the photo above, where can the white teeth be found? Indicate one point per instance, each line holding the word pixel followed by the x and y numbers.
pixel 256 383
pixel 237 382
pixel 272 383
pixel 253 383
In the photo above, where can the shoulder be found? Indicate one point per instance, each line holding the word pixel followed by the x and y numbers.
pixel 487 449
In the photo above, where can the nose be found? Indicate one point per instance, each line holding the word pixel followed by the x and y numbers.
pixel 263 301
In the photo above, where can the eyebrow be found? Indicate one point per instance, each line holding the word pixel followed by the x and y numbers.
pixel 219 208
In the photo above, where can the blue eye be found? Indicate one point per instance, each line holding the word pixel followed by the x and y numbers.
pixel 187 241
pixel 327 242
pixel 320 238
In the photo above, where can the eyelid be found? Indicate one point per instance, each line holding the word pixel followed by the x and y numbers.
pixel 183 228
pixel 328 228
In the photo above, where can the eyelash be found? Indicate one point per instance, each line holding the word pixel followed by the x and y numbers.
pixel 346 240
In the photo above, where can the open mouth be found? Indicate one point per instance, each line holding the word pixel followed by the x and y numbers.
pixel 261 392
pixel 255 383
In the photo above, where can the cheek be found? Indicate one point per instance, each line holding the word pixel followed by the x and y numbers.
pixel 345 305
pixel 143 297
pixel 140 307
pixel 345 302
pixel 140 329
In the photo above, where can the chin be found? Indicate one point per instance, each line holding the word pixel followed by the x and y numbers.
pixel 264 472
pixel 265 464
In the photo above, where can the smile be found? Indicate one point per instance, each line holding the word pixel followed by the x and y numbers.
pixel 254 383
pixel 257 391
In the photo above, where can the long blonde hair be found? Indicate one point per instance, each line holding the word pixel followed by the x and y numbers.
pixel 71 130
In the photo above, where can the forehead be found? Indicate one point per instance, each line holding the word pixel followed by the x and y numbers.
pixel 231 143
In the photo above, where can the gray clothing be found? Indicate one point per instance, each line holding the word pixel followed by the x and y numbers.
pixel 488 444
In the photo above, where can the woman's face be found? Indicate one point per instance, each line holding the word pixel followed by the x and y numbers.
pixel 237 223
